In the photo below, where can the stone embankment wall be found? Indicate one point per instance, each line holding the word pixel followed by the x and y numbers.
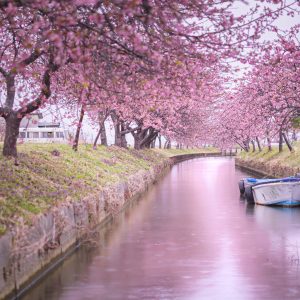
pixel 272 169
pixel 28 252
pixel 183 157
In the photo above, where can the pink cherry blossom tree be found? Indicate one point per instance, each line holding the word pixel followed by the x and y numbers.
pixel 41 38
pixel 267 100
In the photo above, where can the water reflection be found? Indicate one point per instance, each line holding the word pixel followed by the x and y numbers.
pixel 191 237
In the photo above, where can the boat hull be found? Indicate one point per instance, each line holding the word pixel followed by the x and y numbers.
pixel 278 193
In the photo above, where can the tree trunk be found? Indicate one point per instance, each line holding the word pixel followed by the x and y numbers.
pixel 153 143
pixel 269 144
pixel 280 146
pixel 11 135
pixel 96 139
pixel 117 128
pixel 166 144
pixel 159 141
pixel 138 136
pixel 103 136
pixel 76 139
pixel 253 146
pixel 245 146
pixel 136 139
pixel 151 137
pixel 258 144
pixel 144 138
pixel 120 139
pixel 294 135
pixel 169 144
pixel 287 142
pixel 123 136
pixel 102 116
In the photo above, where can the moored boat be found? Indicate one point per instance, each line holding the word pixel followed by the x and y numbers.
pixel 277 193
pixel 245 182
pixel 265 191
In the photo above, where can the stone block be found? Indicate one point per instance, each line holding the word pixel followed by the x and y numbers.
pixel 7 280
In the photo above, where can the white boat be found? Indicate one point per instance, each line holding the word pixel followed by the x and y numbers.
pixel 277 193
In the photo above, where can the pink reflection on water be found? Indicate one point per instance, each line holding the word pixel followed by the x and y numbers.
pixel 191 237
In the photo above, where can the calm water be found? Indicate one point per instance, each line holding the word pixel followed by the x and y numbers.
pixel 191 237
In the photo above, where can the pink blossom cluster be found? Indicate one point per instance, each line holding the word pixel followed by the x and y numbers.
pixel 156 64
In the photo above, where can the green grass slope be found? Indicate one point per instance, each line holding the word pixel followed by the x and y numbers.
pixel 43 179
pixel 284 158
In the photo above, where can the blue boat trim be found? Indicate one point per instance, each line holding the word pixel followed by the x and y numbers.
pixel 255 181
pixel 283 203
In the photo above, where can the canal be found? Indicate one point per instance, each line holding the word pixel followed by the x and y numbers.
pixel 190 237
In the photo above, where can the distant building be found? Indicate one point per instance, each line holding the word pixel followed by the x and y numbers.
pixel 34 129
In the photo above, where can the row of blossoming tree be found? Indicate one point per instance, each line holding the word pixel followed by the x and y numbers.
pixel 156 67
pixel 265 105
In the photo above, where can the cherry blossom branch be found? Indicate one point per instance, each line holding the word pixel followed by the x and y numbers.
pixel 45 92
pixel 31 58
pixel 3 72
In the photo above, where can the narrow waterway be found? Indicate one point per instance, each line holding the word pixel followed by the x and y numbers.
pixel 190 237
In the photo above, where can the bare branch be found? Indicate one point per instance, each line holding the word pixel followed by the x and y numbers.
pixel 45 92
pixel 130 130
pixel 18 3
pixel 3 72
pixel 31 58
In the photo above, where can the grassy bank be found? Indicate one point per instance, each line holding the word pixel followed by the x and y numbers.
pixel 287 158
pixel 50 173
pixel 273 162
